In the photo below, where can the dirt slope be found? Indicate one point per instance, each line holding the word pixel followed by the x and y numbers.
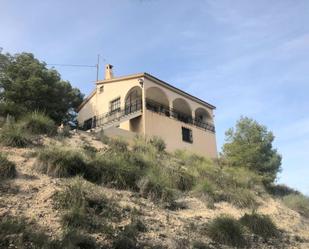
pixel 30 194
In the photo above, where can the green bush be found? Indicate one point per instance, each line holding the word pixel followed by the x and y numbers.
pixel 226 230
pixel 298 202
pixel 61 162
pixel 157 187
pixel 7 168
pixel 38 123
pixel 14 136
pixel 280 190
pixel 118 144
pixel 116 170
pixel 261 225
pixel 158 143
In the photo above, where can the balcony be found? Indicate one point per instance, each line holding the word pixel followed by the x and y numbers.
pixel 174 114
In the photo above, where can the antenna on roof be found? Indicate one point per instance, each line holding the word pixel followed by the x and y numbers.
pixel 98 67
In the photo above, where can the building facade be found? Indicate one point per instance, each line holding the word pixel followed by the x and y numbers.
pixel 142 104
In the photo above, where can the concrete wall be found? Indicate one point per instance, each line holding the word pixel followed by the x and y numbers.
pixel 204 142
pixel 88 110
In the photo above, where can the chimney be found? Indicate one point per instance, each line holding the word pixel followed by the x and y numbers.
pixel 109 72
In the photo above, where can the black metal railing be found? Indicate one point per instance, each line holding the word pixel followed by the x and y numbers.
pixel 175 114
pixel 113 115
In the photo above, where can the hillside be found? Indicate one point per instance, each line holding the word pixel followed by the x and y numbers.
pixel 37 209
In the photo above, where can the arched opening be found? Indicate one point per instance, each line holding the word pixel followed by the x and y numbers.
pixel 157 101
pixel 202 115
pixel 133 100
pixel 203 119
pixel 182 110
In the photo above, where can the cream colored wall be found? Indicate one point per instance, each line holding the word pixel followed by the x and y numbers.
pixel 87 111
pixel 99 104
pixel 204 142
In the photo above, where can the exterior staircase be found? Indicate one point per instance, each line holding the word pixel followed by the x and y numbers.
pixel 116 120
pixel 116 117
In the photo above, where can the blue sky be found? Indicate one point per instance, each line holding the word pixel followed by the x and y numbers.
pixel 246 57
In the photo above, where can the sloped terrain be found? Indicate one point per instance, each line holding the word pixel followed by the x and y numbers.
pixel 31 197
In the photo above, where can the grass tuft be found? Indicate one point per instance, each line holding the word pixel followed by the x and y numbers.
pixel 38 123
pixel 261 225
pixel 14 136
pixel 61 162
pixel 7 168
pixel 226 230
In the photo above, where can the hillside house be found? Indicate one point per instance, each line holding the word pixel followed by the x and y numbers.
pixel 143 104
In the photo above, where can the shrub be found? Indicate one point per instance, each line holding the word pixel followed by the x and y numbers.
pixel 261 225
pixel 7 168
pixel 38 123
pixel 14 136
pixel 61 162
pixel 240 197
pixel 226 230
pixel 280 190
pixel 298 202
pixel 117 170
pixel 118 144
pixel 182 179
pixel 158 143
pixel 157 187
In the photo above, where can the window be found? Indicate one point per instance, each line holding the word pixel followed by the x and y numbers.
pixel 187 135
pixel 101 89
pixel 115 105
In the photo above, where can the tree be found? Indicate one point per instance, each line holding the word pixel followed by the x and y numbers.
pixel 250 146
pixel 27 85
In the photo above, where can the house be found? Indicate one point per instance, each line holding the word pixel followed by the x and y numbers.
pixel 143 104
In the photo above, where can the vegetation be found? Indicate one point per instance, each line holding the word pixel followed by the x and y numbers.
pixel 261 225
pixel 250 146
pixel 7 168
pixel 85 207
pixel 61 162
pixel 297 202
pixel 28 85
pixel 226 230
pixel 13 135
pixel 38 123
pixel 22 235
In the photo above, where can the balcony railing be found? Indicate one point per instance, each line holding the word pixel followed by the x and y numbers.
pixel 175 114
pixel 113 115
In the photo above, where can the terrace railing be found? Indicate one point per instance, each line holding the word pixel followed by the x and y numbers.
pixel 175 114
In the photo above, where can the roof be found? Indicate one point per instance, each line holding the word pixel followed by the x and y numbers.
pixel 150 77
